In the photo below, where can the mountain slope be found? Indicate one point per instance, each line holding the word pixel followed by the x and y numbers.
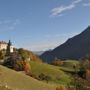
pixel 38 52
pixel 15 80
pixel 52 71
pixel 74 48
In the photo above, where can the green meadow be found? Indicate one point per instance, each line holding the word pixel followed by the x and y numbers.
pixel 15 80
pixel 55 72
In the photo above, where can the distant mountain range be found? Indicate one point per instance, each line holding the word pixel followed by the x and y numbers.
pixel 74 48
pixel 38 52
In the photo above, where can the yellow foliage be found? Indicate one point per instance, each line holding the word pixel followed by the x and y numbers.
pixel 27 67
pixel 61 87
pixel 22 65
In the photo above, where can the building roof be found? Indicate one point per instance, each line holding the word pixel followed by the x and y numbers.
pixel 2 42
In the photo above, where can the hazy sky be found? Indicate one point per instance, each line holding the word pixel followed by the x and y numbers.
pixel 42 24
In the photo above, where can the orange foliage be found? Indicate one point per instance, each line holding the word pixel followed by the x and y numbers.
pixel 34 57
pixel 88 75
pixel 61 88
pixel 57 62
pixel 22 65
pixel 42 76
pixel 27 67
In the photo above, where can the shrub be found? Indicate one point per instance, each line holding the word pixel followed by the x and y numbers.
pixel 42 76
pixel 78 83
pixel 57 62
pixel 27 67
pixel 47 78
pixel 87 75
pixel 22 65
pixel 84 67
pixel 2 54
pixel 34 76
pixel 85 63
pixel 18 65
pixel 61 87
pixel 23 53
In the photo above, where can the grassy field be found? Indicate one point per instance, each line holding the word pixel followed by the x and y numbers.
pixel 67 69
pixel 57 75
pixel 3 89
pixel 68 65
pixel 15 80
pixel 72 61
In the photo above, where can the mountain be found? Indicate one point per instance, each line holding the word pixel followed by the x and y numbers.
pixel 74 48
pixel 38 52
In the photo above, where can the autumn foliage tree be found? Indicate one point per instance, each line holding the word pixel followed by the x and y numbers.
pixel 2 54
pixel 27 67
pixel 45 77
pixel 17 63
pixel 57 62
pixel 42 76
pixel 78 83
pixel 81 80
pixel 61 87
pixel 25 54
pixel 20 59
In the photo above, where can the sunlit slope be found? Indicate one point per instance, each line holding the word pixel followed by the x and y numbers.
pixel 3 88
pixel 57 75
pixel 20 81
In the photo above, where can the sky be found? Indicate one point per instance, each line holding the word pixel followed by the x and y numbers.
pixel 39 25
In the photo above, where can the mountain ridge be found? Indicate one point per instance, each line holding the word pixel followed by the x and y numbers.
pixel 74 48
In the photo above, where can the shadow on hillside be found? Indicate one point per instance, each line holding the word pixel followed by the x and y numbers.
pixel 69 72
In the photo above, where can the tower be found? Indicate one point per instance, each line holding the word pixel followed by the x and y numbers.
pixel 10 47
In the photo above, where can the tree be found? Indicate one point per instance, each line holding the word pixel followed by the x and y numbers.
pixel 78 83
pixel 84 65
pixel 61 87
pixel 18 64
pixel 23 53
pixel 27 67
pixel 2 54
pixel 47 78
pixel 42 76
pixel 79 80
pixel 57 62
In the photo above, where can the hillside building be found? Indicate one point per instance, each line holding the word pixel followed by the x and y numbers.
pixel 6 46
pixel 3 45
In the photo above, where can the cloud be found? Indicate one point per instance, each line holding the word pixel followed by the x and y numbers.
pixel 76 1
pixel 86 4
pixel 13 22
pixel 58 11
pixel 11 28
pixel 8 24
pixel 5 28
pixel 17 21
pixel 42 46
pixel 5 22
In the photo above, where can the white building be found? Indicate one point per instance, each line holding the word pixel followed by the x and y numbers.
pixel 3 45
pixel 6 46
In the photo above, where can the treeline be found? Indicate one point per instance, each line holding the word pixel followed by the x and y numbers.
pixel 19 60
pixel 80 80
